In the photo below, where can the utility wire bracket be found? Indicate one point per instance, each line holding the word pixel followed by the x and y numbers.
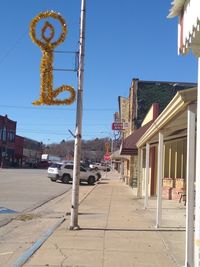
pixel 75 69
pixel 72 133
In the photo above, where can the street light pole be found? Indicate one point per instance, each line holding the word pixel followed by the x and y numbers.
pixel 77 144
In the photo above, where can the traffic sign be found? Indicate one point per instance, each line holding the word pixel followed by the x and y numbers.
pixel 106 157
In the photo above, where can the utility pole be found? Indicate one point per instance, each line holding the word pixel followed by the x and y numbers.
pixel 78 132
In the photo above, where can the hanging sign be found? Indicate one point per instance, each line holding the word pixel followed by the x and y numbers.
pixel 117 126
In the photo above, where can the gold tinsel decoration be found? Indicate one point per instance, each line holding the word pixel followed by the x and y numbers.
pixel 47 94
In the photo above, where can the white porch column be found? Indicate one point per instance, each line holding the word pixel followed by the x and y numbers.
pixel 190 175
pixel 147 177
pixel 140 171
pixel 122 169
pixel 197 208
pixel 159 181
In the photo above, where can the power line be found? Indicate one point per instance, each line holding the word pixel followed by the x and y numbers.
pixel 53 109
pixel 60 133
pixel 40 132
pixel 57 133
pixel 10 50
pixel 62 124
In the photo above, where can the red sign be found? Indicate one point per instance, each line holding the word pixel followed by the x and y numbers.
pixel 106 157
pixel 117 126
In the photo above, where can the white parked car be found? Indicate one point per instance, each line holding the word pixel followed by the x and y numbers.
pixel 64 173
pixel 100 166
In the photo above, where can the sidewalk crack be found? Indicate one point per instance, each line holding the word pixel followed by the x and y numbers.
pixel 106 226
pixel 169 251
pixel 62 254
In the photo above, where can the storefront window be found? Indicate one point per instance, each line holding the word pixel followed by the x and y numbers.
pixel 11 136
pixel 4 132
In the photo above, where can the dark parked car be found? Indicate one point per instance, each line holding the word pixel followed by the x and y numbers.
pixel 43 165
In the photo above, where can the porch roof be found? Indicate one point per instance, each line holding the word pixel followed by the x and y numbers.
pixel 172 121
pixel 116 156
pixel 128 146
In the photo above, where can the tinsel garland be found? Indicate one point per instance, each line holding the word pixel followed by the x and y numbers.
pixel 47 94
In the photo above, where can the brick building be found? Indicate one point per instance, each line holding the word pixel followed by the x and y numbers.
pixel 19 144
pixel 142 95
pixel 15 150
pixel 7 141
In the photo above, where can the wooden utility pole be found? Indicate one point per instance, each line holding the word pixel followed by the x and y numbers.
pixel 78 132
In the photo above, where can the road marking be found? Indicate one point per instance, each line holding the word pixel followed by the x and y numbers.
pixel 5 210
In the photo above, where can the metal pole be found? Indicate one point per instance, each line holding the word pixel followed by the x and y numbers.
pixel 77 144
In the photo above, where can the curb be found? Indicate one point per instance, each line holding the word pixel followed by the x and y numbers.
pixel 38 243
pixel 30 251
pixel 36 206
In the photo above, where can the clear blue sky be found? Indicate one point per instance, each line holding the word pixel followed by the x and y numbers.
pixel 124 40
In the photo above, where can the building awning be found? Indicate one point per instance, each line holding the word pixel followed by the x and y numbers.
pixel 128 146
pixel 116 156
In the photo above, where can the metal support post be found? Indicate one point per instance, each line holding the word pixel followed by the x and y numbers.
pixel 77 144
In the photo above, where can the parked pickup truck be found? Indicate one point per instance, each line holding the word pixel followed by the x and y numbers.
pixel 100 166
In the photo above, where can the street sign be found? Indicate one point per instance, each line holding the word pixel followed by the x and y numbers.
pixel 117 126
pixel 106 157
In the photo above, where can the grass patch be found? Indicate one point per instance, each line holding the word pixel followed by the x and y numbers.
pixel 27 217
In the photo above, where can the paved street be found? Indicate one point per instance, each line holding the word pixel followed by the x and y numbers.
pixel 24 189
pixel 27 227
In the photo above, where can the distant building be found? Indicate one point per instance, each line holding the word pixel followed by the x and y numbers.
pixel 32 151
pixel 19 144
pixel 15 150
pixel 7 141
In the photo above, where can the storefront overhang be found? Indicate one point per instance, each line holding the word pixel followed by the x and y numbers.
pixel 128 146
pixel 116 156
pixel 172 122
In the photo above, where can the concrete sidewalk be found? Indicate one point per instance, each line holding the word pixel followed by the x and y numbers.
pixel 116 232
